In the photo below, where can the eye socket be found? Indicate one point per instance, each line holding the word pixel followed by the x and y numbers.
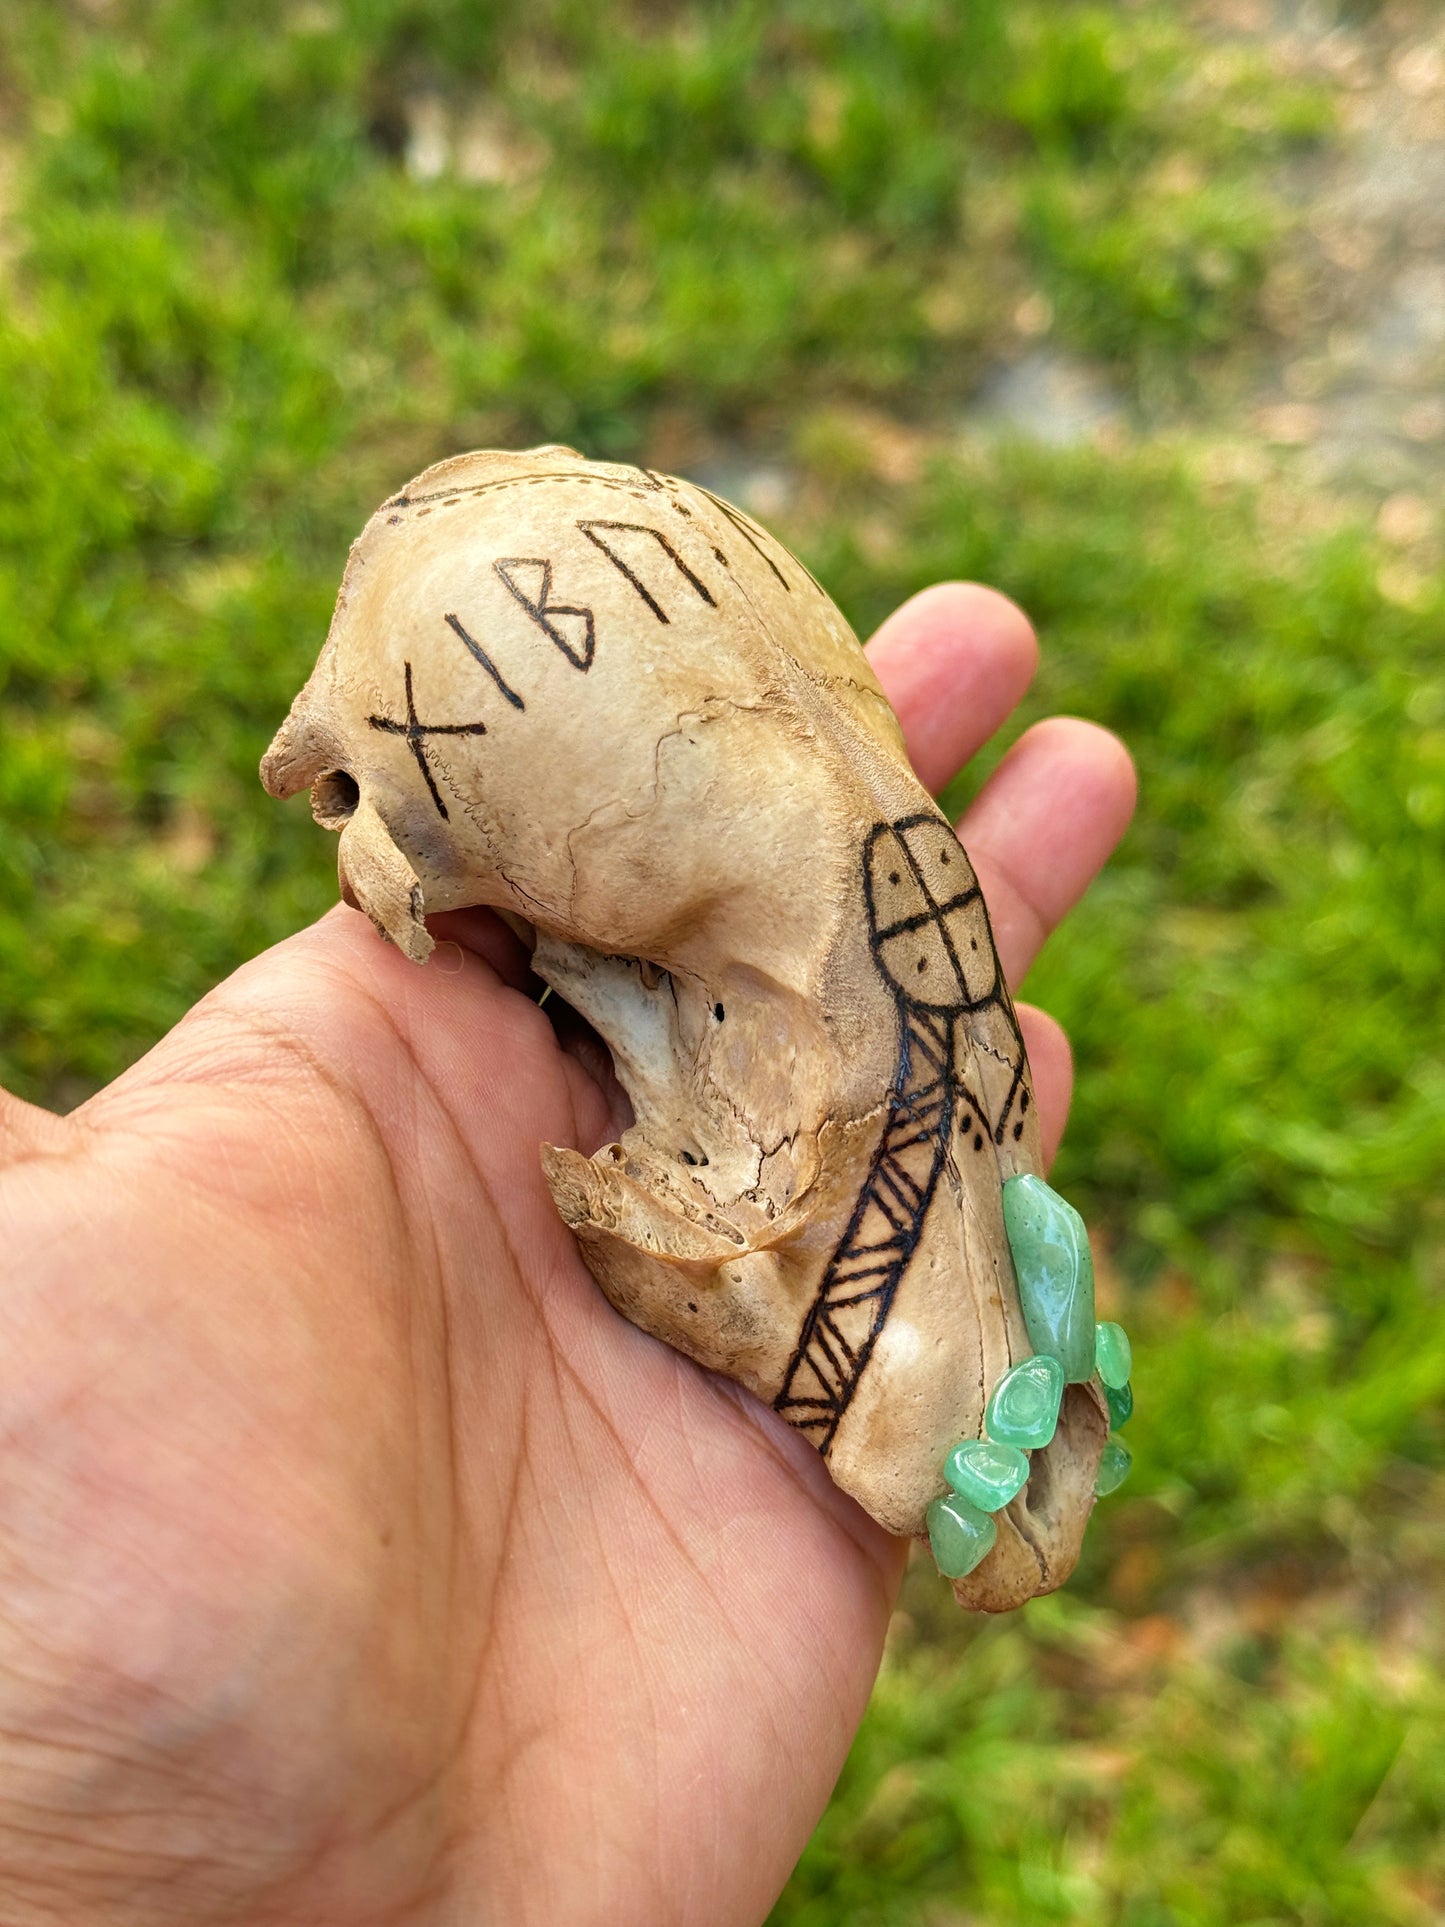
pixel 334 798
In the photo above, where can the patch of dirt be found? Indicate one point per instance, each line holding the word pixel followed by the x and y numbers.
pixel 1358 303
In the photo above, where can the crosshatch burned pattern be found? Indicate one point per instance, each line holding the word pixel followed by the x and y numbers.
pixel 929 934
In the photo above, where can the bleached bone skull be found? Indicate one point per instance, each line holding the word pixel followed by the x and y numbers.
pixel 610 705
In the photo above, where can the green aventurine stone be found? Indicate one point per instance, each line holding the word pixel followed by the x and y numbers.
pixel 1024 1408
pixel 1113 1466
pixel 1114 1355
pixel 959 1534
pixel 1121 1403
pixel 1055 1272
pixel 988 1475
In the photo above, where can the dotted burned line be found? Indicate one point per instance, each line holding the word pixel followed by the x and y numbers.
pixel 448 497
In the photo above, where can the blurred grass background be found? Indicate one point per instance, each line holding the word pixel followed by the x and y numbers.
pixel 1127 309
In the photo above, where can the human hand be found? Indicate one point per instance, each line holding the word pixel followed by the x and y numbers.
pixel 358 1563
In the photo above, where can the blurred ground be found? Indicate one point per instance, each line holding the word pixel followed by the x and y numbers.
pixel 1137 311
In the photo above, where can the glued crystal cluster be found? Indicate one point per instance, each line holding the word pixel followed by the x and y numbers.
pixel 1054 1270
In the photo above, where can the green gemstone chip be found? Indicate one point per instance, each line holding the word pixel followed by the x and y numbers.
pixel 1114 1355
pixel 986 1473
pixel 1114 1466
pixel 1055 1271
pixel 1024 1407
pixel 959 1534
pixel 1120 1400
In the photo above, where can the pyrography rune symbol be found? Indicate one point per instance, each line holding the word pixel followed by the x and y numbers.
pixel 578 649
pixel 625 569
pixel 416 733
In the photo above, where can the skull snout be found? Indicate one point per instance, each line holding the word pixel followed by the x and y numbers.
pixel 300 752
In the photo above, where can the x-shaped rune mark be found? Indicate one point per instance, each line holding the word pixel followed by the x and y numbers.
pixel 416 733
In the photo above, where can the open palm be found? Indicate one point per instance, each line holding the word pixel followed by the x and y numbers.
pixel 357 1561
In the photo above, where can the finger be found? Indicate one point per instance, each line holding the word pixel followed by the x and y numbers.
pixel 487 935
pixel 1051 1065
pixel 26 1130
pixel 953 661
pixel 1041 827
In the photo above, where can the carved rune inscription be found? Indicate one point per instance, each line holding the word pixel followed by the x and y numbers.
pixel 571 627
pixel 614 546
pixel 476 649
pixel 416 733
pixel 557 620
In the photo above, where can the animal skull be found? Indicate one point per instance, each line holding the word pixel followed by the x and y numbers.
pixel 610 705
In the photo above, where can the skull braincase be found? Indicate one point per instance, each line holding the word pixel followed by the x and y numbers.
pixel 611 706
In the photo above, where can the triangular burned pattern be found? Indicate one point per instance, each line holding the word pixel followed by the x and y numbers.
pixel 574 635
pixel 529 578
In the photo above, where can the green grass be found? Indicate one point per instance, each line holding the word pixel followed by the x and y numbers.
pixel 233 318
